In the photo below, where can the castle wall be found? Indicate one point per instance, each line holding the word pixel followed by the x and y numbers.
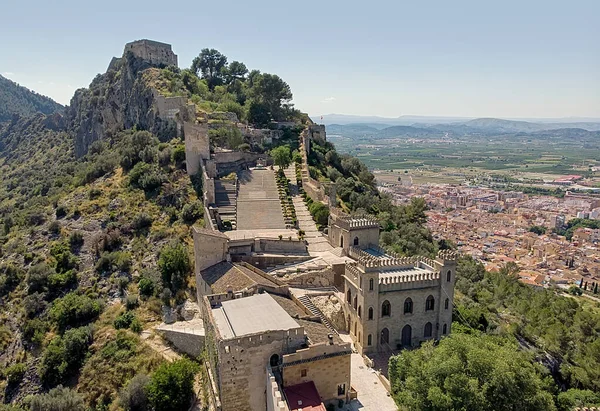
pixel 242 363
pixel 152 51
pixel 197 145
pixel 208 251
pixel 327 372
pixel 322 278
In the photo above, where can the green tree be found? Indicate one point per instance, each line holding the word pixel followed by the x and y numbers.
pixel 174 265
pixel 468 372
pixel 272 91
pixel 212 64
pixel 537 229
pixel 281 156
pixel 236 71
pixel 171 386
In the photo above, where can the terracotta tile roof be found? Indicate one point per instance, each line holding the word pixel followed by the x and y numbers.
pixel 223 276
pixel 304 396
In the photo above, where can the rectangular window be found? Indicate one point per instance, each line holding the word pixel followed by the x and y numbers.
pixel 303 372
pixel 341 389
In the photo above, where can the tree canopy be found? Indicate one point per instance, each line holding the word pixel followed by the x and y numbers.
pixel 282 156
pixel 468 372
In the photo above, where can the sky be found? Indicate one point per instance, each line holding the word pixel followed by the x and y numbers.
pixel 510 59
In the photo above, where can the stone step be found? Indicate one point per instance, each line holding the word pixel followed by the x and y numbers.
pixel 305 300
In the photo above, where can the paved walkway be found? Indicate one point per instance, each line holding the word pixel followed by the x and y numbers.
pixel 372 395
pixel 258 201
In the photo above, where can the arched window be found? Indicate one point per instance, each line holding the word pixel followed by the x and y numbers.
pixel 349 296
pixel 428 330
pixel 359 311
pixel 341 241
pixel 371 284
pixel 449 276
pixel 369 339
pixel 429 303
pixel 274 361
pixel 446 303
pixel 444 329
pixel 370 313
pixel 355 303
pixel 386 309
pixel 408 306
pixel 355 327
pixel 355 240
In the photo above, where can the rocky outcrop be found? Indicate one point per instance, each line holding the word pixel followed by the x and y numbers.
pixel 119 99
pixel 331 307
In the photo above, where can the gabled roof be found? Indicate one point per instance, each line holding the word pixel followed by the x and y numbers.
pixel 303 396
pixel 225 276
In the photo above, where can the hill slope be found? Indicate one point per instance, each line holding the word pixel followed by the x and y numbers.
pixel 16 99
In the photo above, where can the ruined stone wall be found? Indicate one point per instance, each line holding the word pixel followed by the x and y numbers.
pixel 322 278
pixel 197 145
pixel 153 52
pixel 327 372
pixel 242 363
pixel 208 250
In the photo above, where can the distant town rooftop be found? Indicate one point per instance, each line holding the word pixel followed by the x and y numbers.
pixel 251 315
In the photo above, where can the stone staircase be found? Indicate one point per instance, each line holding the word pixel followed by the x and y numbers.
pixel 258 206
pixel 226 200
pixel 305 300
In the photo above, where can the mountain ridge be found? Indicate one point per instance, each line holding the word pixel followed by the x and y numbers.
pixel 19 100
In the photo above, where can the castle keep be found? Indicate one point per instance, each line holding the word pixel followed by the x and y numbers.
pixel 154 52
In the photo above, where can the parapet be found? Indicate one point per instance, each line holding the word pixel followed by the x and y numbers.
pixel 349 222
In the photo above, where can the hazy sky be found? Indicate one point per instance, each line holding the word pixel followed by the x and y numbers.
pixel 448 58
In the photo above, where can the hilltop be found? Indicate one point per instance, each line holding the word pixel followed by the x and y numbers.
pixel 16 99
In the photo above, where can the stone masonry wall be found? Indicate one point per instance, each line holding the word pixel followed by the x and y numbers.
pixel 152 51
pixel 197 145
pixel 242 363
pixel 326 373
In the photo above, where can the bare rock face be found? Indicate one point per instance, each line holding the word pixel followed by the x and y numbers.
pixel 116 100
pixel 189 311
pixel 332 308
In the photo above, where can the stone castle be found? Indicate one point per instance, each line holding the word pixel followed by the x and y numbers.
pixel 154 52
pixel 267 329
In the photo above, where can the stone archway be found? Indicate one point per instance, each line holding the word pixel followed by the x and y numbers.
pixel 274 360
pixel 385 336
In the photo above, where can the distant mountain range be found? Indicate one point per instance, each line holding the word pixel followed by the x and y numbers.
pixel 457 124
pixel 16 99
pixel 425 125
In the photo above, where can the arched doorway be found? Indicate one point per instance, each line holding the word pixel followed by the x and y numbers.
pixel 406 335
pixel 274 361
pixel 356 241
pixel 385 336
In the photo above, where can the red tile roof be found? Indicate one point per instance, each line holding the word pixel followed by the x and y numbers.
pixel 304 397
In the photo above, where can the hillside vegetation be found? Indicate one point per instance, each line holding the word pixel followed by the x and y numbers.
pixel 16 99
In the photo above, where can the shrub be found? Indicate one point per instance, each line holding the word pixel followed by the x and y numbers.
pixel 35 330
pixel 319 212
pixel 174 265
pixel 192 212
pixel 61 211
pixel 64 355
pixel 171 386
pixel 179 155
pixel 75 240
pixel 54 227
pixel 60 281
pixel 58 399
pixel 136 326
pixel 94 193
pixel 115 261
pixel 141 221
pixel 124 320
pixel 34 304
pixel 74 310
pixel 146 287
pixel 146 177
pixel 14 374
pixel 131 302
pixel 10 277
pixel 37 277
pixel 166 296
pixel 64 260
pixel 133 396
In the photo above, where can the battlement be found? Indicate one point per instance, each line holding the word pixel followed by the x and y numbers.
pixel 349 222
pixel 154 52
